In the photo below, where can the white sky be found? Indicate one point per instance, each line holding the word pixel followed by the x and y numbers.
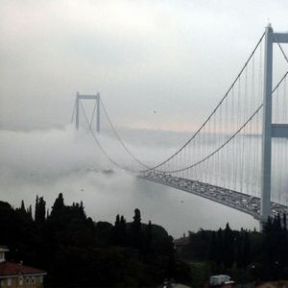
pixel 173 57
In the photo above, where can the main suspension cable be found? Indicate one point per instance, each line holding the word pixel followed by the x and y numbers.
pixel 214 110
pixel 187 142
pixel 101 147
pixel 229 139
pixel 283 52
pixel 120 139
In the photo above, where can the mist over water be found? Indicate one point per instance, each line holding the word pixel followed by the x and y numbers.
pixel 51 48
pixel 47 162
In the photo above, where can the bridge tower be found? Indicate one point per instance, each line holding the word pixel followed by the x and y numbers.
pixel 269 129
pixel 88 97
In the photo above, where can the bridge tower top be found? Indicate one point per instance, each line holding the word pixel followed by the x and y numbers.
pixel 80 97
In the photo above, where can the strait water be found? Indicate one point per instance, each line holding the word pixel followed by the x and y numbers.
pixel 47 162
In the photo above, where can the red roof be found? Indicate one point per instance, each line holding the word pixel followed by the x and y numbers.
pixel 9 268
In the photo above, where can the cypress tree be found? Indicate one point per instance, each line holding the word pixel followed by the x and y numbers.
pixel 22 208
pixel 136 229
pixel 116 231
pixel 228 245
pixel 284 222
pixel 148 242
pixel 58 205
pixel 122 231
pixel 29 212
pixel 40 210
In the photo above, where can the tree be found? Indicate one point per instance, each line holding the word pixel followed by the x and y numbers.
pixel 58 204
pixel 285 222
pixel 123 232
pixel 116 230
pixel 40 210
pixel 136 229
pixel 22 212
pixel 137 218
pixel 148 237
pixel 29 211
pixel 228 246
pixel 22 208
pixel 213 255
pixel 119 231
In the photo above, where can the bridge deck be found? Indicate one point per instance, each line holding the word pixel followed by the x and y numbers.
pixel 242 202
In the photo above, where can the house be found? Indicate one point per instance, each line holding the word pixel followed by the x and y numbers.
pixel 14 275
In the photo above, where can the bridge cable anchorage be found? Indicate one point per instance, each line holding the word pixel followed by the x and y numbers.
pixel 213 112
pixel 114 162
pixel 117 135
pixel 230 138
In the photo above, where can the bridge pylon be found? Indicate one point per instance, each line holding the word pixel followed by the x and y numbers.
pixel 80 97
pixel 270 130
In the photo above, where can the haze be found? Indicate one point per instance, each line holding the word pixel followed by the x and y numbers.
pixel 159 65
pixel 175 58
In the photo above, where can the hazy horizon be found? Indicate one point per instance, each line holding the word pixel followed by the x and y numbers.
pixel 170 60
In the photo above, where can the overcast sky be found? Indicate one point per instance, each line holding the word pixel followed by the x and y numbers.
pixel 157 64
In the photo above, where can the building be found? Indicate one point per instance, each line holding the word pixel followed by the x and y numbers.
pixel 14 275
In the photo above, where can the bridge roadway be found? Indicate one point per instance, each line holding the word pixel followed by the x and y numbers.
pixel 240 201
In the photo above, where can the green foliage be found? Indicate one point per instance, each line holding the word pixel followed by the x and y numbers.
pixel 77 252
pixel 275 245
pixel 40 210
pixel 200 272
pixel 137 230
pixel 245 255
pixel 58 205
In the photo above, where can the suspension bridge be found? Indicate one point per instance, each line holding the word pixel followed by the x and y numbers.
pixel 230 158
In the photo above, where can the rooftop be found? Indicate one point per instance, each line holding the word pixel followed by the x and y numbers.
pixel 10 268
